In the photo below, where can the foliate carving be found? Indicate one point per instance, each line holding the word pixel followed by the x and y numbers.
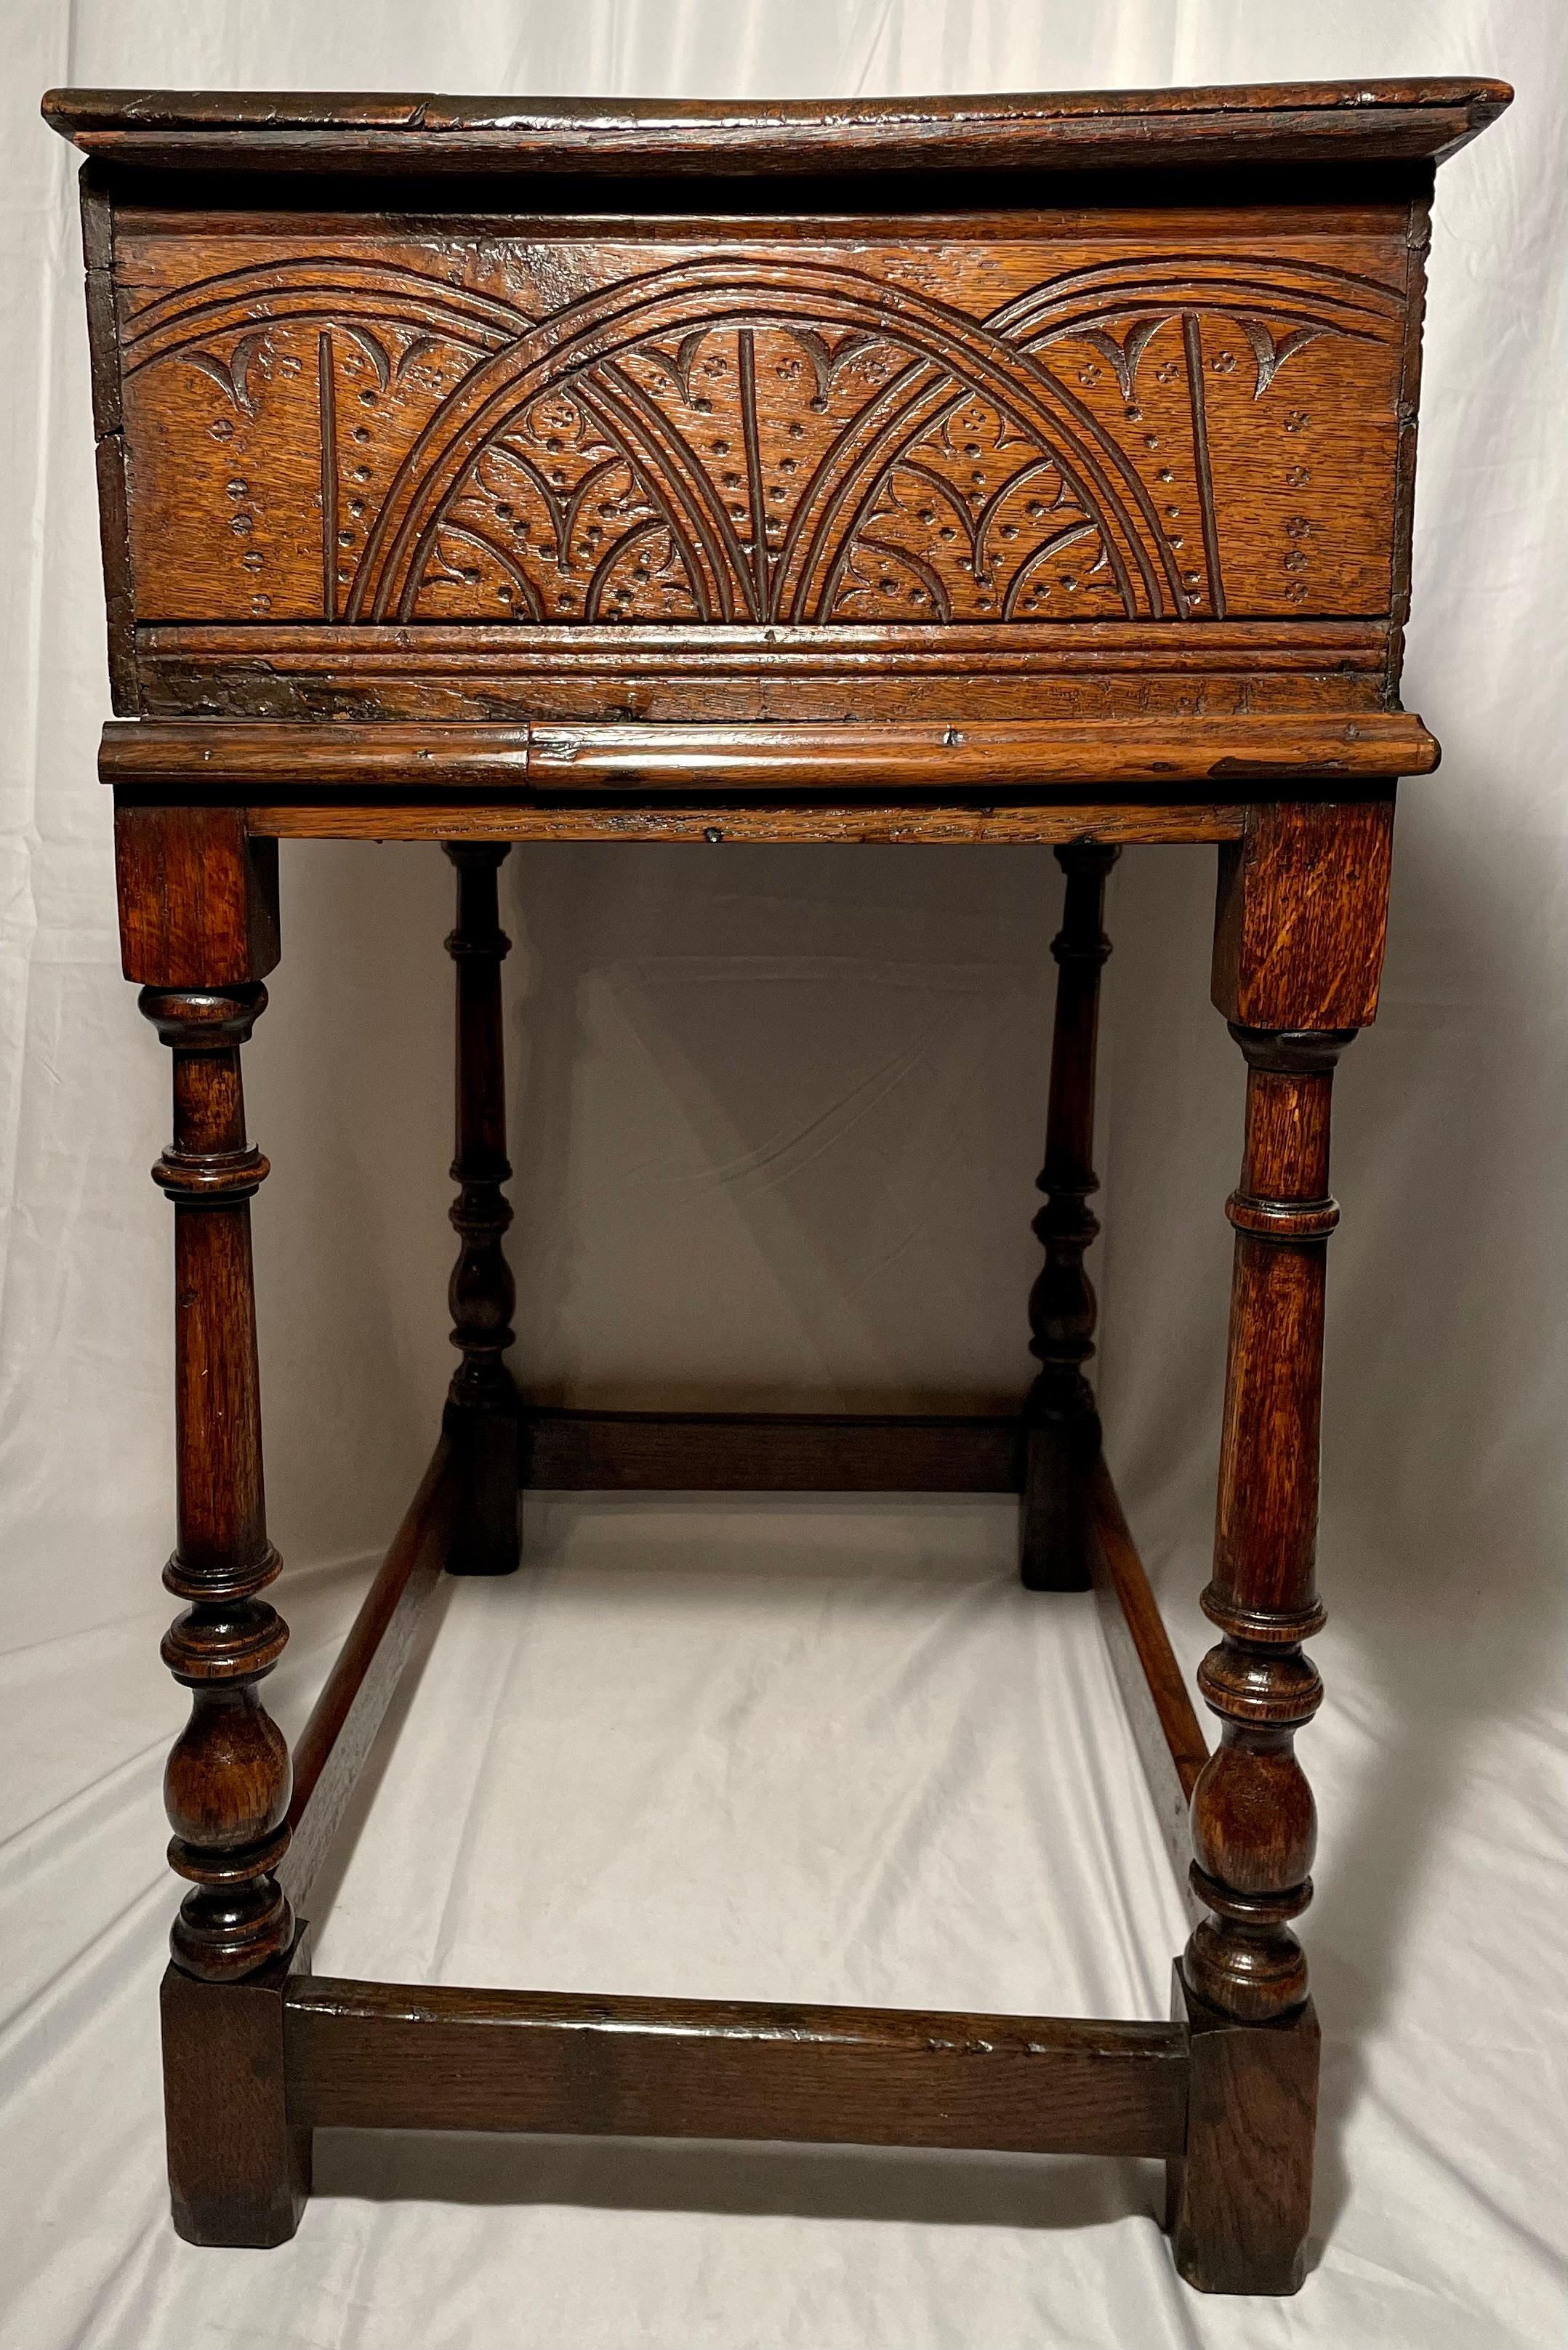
pixel 748 436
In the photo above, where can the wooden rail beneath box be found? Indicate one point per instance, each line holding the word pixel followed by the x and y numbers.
pixel 332 1748
pixel 769 1452
pixel 367 2056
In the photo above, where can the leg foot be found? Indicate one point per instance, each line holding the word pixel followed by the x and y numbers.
pixel 238 2175
pixel 1239 2201
pixel 1056 1534
pixel 486 1532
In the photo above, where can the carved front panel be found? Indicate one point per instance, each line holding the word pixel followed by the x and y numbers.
pixel 373 431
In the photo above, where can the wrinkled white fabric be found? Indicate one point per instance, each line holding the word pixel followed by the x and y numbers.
pixel 776 1117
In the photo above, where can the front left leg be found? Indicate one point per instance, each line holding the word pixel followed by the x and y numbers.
pixel 199 919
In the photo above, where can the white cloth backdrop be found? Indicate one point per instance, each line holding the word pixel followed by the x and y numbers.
pixel 776 1119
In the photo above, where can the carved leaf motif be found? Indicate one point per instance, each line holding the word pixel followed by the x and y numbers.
pixel 372 349
pixel 234 376
pixel 806 443
pixel 415 349
pixel 1271 355
pixel 1123 356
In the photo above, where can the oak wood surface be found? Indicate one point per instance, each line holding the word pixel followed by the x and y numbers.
pixel 773 1452
pixel 1238 2195
pixel 507 674
pixel 982 470
pixel 198 896
pixel 239 2166
pixel 1166 1730
pixel 1254 1826
pixel 244 760
pixel 332 1748
pixel 294 130
pixel 226 1784
pixel 356 424
pixel 1302 916
pixel 388 2055
pixel 910 822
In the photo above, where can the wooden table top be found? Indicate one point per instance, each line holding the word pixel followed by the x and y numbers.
pixel 1362 121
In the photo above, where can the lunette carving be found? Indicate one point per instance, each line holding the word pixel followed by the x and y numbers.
pixel 744 437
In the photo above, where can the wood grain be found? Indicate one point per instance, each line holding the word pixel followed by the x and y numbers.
pixel 357 424
pixel 198 896
pixel 1302 916
pixel 509 674
pixel 1254 1826
pixel 1239 2199
pixel 246 760
pixel 1024 468
pixel 390 2056
pixel 904 823
pixel 769 1452
pixel 226 1784
pixel 239 2169
pixel 332 1748
pixel 1160 1713
pixel 284 131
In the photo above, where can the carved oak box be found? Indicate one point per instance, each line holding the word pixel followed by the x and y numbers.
pixel 1071 408
pixel 1031 469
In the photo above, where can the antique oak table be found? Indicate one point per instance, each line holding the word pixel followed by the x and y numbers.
pixel 988 470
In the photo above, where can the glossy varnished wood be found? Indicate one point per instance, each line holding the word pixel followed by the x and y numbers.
pixel 387 2056
pixel 1238 2195
pixel 1227 757
pixel 513 674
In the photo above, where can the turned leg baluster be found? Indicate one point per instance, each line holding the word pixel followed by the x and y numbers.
pixel 482 1407
pixel 1240 2203
pixel 1299 921
pixel 1061 1425
pixel 228 1784
pixel 1254 1824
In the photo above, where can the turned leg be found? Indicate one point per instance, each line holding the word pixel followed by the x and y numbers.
pixel 482 1407
pixel 1061 1426
pixel 1299 946
pixel 237 2174
pixel 198 911
pixel 228 1784
pixel 1239 2210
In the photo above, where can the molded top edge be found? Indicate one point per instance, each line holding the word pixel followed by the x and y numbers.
pixel 1354 122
